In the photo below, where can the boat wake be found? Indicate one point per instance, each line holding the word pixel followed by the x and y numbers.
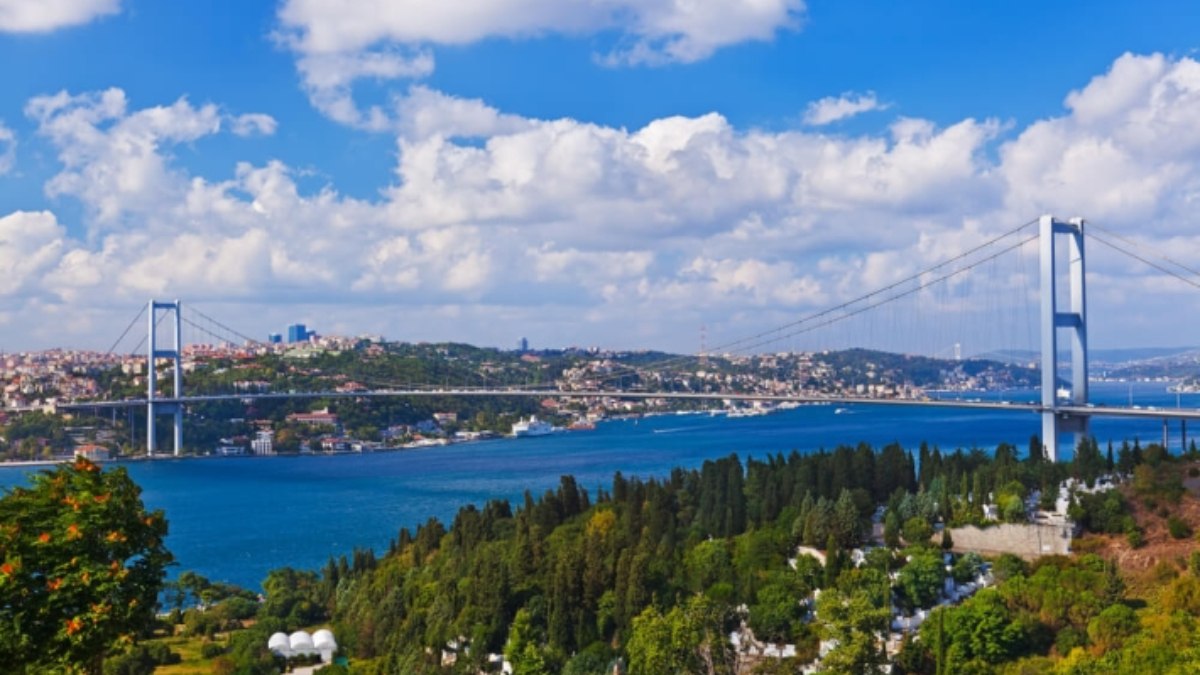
pixel 676 430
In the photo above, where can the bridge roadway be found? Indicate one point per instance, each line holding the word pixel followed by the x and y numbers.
pixel 1157 413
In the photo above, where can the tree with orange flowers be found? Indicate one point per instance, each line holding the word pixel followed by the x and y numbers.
pixel 81 566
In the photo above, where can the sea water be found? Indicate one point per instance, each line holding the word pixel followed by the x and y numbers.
pixel 234 519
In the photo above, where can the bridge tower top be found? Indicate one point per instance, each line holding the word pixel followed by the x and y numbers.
pixel 1073 320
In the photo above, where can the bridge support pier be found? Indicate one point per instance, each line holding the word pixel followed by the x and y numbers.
pixel 1055 422
pixel 153 353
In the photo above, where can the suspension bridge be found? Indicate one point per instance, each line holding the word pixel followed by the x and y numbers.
pixel 1061 315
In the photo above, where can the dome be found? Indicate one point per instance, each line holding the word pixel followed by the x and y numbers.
pixel 301 643
pixel 323 639
pixel 279 644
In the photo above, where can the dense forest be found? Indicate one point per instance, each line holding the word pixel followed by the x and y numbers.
pixel 656 574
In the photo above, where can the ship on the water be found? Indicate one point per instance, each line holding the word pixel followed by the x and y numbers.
pixel 531 427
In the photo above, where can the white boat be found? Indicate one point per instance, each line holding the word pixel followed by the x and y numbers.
pixel 531 427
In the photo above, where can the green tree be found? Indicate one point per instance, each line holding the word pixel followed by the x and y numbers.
pixel 1109 629
pixel 522 648
pixel 979 629
pixel 917 531
pixel 82 566
pixel 891 529
pixel 855 620
pixel 688 639
pixel 921 580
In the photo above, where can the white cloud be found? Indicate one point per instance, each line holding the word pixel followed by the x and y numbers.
pixel 30 243
pixel 1128 151
pixel 835 108
pixel 580 233
pixel 425 112
pixel 8 149
pixel 338 43
pixel 114 160
pixel 328 78
pixel 253 124
pixel 682 31
pixel 40 16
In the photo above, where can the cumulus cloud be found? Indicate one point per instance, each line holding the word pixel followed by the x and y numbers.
pixel 40 16
pixel 116 162
pixel 253 124
pixel 338 43
pixel 508 224
pixel 835 108
pixel 1127 151
pixel 328 78
pixel 425 112
pixel 30 244
pixel 8 149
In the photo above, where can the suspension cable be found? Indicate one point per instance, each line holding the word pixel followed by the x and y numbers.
pixel 1141 247
pixel 231 331
pixel 893 298
pixel 126 331
pixel 758 339
pixel 141 342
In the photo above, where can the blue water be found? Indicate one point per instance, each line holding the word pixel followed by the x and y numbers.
pixel 234 519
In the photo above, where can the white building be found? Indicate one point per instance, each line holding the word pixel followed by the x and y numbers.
pixel 263 443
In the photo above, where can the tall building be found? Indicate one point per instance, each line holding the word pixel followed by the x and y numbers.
pixel 523 345
pixel 274 338
pixel 297 332
pixel 263 443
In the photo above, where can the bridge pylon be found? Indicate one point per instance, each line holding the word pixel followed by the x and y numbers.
pixel 1055 421
pixel 153 353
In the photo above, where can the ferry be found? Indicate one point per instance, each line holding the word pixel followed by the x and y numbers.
pixel 531 427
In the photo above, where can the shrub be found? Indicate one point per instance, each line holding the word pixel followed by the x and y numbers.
pixel 210 650
pixel 1106 512
pixel 1008 566
pixel 1193 471
pixel 1135 537
pixel 1178 528
pixel 917 531
pixel 1069 638
pixel 1182 594
pixel 1087 544
pixel 1164 571
pixel 966 567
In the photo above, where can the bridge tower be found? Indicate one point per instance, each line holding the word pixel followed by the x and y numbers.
pixel 1055 421
pixel 153 353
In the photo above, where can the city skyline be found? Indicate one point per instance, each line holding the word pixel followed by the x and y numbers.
pixel 618 175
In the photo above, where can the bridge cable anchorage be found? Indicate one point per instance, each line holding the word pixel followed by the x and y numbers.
pixel 1164 270
pixel 757 339
pixel 126 331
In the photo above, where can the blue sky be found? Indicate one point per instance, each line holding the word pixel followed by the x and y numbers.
pixel 611 173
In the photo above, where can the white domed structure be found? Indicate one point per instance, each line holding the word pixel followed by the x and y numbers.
pixel 324 642
pixel 279 644
pixel 301 643
pixel 323 639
